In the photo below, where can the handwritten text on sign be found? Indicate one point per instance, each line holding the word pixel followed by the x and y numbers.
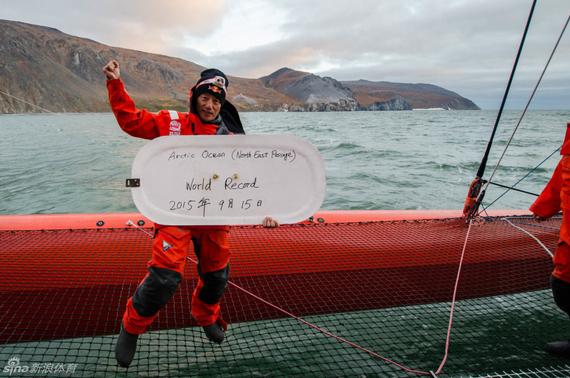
pixel 230 180
pixel 236 154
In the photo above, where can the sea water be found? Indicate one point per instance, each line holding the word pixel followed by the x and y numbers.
pixel 78 163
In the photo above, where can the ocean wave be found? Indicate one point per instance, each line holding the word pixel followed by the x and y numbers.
pixel 377 160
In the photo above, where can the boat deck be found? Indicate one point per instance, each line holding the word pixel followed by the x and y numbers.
pixel 385 285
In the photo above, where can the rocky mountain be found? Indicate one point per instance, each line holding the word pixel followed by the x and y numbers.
pixel 315 92
pixel 325 93
pixel 377 95
pixel 62 73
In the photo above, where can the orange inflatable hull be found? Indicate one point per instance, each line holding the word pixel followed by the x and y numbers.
pixel 119 220
pixel 84 267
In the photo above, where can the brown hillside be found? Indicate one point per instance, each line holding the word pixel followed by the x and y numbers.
pixel 62 73
pixel 420 96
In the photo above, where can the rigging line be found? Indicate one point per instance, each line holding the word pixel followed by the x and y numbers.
pixel 348 342
pixel 527 104
pixel 548 228
pixel 453 300
pixel 131 223
pixel 513 188
pixel 324 331
pixel 520 180
pixel 354 345
pixel 26 102
pixel 485 211
pixel 476 191
pixel 529 234
pixel 483 164
pixel 532 217
pixel 556 216
pixel 303 321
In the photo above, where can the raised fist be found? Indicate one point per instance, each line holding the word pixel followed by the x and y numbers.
pixel 111 70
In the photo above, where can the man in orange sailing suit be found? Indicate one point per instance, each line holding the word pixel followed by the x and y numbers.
pixel 210 114
pixel 556 197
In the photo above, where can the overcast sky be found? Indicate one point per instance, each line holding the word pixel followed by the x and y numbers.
pixel 467 46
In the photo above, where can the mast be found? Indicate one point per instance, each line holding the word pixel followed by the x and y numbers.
pixel 474 194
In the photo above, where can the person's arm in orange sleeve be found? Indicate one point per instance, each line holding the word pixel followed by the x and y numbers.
pixel 135 122
pixel 548 203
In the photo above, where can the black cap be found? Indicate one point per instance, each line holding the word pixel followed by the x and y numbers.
pixel 212 81
pixel 216 83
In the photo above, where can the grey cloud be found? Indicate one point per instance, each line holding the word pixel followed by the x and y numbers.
pixel 151 25
pixel 467 46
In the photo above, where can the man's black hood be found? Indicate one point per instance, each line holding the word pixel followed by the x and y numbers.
pixel 230 117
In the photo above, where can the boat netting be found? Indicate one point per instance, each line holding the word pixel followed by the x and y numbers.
pixel 385 286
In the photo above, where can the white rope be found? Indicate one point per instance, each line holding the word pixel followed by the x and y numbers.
pixel 26 102
pixel 357 346
pixel 453 301
pixel 529 234
pixel 131 223
pixel 311 325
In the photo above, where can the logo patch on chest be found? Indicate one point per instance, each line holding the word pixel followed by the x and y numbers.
pixel 175 127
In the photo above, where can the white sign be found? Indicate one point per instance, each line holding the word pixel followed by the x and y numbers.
pixel 228 179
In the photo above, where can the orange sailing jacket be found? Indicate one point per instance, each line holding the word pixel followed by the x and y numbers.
pixel 214 243
pixel 149 125
pixel 556 194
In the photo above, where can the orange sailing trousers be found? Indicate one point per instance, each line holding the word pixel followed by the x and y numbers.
pixel 165 270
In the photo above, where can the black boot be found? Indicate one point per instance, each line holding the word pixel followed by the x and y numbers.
pixel 559 348
pixel 214 332
pixel 125 348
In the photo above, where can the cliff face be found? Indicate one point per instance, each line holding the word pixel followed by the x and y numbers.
pixel 33 67
pixel 395 103
pixel 62 73
pixel 315 93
